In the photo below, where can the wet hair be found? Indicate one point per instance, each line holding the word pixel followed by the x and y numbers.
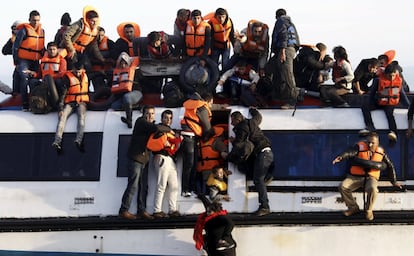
pixel 166 112
pixel 237 115
pixel 207 96
pixel 78 65
pixel 146 107
pixel 241 63
pixel 215 206
pixel 321 46
pixel 183 12
pixel 50 44
pixel 392 67
pixel 280 12
pixel 221 11
pixel 66 19
pixel 195 13
pixel 91 15
pixel 340 52
pixel 373 62
pixel 154 36
pixel 34 13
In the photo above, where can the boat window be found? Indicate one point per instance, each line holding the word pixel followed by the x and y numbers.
pixel 308 156
pixel 31 157
pixel 122 170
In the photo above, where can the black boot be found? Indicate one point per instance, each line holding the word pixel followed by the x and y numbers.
pixel 128 118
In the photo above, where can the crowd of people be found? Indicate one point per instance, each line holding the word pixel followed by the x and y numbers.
pixel 250 67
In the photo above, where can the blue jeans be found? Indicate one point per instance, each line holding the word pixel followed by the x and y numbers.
pixel 137 181
pixel 261 166
pixel 188 176
pixel 225 56
pixel 128 99
pixel 24 77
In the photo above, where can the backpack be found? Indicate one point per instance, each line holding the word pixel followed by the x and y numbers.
pixel 173 96
pixel 39 99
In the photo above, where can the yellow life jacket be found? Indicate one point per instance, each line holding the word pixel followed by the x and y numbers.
pixel 221 185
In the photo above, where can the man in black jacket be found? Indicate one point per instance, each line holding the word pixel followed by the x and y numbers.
pixel 248 129
pixel 138 155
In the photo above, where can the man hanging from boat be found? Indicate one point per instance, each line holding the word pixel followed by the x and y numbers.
pixel 365 174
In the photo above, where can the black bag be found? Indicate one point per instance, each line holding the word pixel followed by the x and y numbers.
pixel 241 152
pixel 39 99
pixel 173 96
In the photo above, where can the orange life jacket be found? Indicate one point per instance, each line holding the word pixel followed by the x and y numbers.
pixel 78 90
pixel 87 35
pixel 157 140
pixel 364 153
pixel 50 66
pixel 190 115
pixel 252 47
pixel 123 78
pixel 208 158
pixel 31 48
pixel 195 38
pixel 221 33
pixel 388 92
pixel 137 33
pixel 105 51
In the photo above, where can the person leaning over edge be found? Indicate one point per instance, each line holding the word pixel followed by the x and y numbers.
pixel 248 129
pixel 365 174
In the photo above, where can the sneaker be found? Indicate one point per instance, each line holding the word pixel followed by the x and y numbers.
pixel 223 245
pixel 186 194
pixel 174 214
pixel 287 106
pixel 392 136
pixel 344 105
pixel 219 88
pixel 128 122
pixel 160 215
pixel 369 215
pixel 262 212
pixel 351 211
pixel 57 146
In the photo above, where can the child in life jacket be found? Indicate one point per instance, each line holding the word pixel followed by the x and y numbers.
pixel 217 184
pixel 243 80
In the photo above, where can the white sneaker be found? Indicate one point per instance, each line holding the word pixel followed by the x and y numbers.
pixel 219 88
